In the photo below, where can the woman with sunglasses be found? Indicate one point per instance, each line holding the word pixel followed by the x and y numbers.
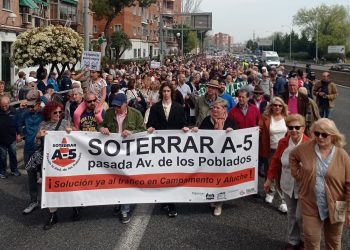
pixel 53 120
pixel 272 128
pixel 279 170
pixel 322 169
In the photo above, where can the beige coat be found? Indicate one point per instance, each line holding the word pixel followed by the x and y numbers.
pixel 332 93
pixel 302 162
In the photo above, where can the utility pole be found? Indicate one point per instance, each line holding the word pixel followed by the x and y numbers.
pixel 86 25
pixel 161 30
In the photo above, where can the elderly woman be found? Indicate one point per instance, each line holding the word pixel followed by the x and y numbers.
pixel 272 128
pixel 322 169
pixel 218 119
pixel 279 170
pixel 53 121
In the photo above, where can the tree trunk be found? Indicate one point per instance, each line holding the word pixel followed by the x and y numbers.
pixel 108 37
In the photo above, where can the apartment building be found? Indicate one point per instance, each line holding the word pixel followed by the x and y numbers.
pixel 16 16
pixel 223 41
pixel 142 26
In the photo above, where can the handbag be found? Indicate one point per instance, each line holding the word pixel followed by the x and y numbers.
pixel 139 105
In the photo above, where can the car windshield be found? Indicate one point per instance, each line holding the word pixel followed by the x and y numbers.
pixel 272 58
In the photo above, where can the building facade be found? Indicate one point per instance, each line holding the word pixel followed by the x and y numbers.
pixel 142 25
pixel 17 16
pixel 223 41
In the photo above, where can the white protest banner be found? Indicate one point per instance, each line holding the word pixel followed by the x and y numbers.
pixel 155 65
pixel 85 169
pixel 92 60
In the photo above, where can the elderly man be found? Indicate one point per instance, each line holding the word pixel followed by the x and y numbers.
pixel 204 103
pixel 245 115
pixel 123 120
pixel 77 96
pixel 299 103
pixel 326 93
pixel 8 137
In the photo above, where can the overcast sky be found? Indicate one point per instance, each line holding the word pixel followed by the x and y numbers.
pixel 240 18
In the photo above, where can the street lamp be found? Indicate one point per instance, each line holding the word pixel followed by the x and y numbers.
pixel 178 35
pixel 290 41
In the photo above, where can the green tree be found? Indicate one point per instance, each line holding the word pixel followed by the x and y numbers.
pixel 120 42
pixel 191 42
pixel 329 24
pixel 252 45
pixel 109 9
pixel 56 45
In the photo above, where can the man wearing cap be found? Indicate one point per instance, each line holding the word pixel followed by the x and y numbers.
pixel 125 121
pixel 266 85
pixel 258 99
pixel 29 118
pixel 205 103
pixel 66 82
pixel 30 84
pixel 8 137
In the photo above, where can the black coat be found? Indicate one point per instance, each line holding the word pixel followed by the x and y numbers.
pixel 207 124
pixel 157 119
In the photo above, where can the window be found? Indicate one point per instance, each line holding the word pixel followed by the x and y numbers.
pixel 139 53
pixel 117 28
pixel 135 53
pixel 6 4
pixel 95 29
pixel 144 53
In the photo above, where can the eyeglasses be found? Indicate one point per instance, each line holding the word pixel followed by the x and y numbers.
pixel 323 135
pixel 94 100
pixel 30 106
pixel 297 128
pixel 57 112
pixel 277 105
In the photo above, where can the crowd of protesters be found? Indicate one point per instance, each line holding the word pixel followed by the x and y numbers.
pixel 204 93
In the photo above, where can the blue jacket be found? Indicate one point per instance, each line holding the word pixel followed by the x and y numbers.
pixel 28 122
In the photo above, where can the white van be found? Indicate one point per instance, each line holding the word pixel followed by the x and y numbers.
pixel 271 58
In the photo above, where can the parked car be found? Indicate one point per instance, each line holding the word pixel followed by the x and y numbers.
pixel 282 59
pixel 341 67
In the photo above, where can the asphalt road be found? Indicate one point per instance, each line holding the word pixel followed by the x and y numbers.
pixel 246 223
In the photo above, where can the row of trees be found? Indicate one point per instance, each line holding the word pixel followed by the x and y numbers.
pixel 328 25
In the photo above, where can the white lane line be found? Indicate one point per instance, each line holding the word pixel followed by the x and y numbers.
pixel 342 86
pixel 134 231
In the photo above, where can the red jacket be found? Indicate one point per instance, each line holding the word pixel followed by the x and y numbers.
pixel 251 119
pixel 275 168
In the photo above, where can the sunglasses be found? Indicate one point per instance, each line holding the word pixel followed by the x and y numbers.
pixel 30 106
pixel 94 100
pixel 294 127
pixel 57 112
pixel 277 105
pixel 318 134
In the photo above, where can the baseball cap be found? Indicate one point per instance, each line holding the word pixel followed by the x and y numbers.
pixel 32 97
pixel 119 99
pixel 30 79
